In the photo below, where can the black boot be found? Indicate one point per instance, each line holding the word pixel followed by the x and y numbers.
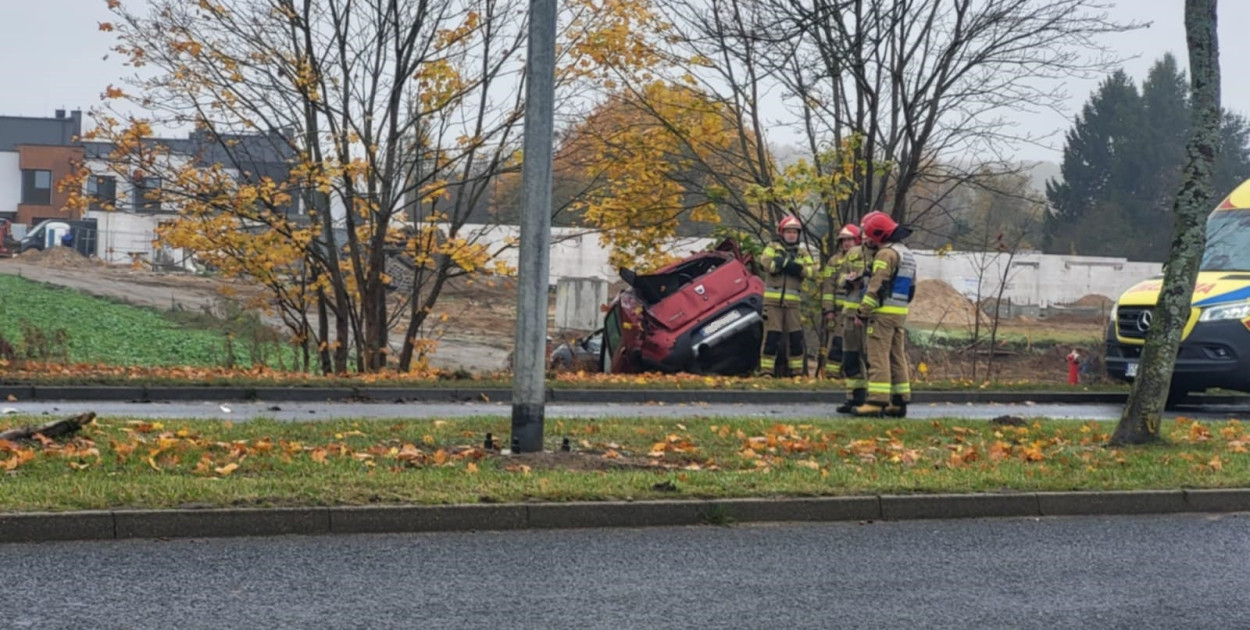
pixel 897 407
pixel 857 399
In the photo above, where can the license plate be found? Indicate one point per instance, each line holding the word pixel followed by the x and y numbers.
pixel 1130 370
pixel 719 323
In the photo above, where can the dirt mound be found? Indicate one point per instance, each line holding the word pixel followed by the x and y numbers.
pixel 939 303
pixel 57 257
pixel 1095 301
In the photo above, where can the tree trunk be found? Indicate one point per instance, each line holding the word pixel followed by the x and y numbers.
pixel 323 333
pixel 55 429
pixel 1142 414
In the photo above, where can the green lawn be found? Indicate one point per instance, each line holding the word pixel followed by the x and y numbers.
pixel 95 330
pixel 122 463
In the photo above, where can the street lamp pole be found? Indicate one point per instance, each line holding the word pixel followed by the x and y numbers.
pixel 530 357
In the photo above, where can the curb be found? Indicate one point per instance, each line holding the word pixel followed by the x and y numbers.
pixel 211 523
pixel 556 396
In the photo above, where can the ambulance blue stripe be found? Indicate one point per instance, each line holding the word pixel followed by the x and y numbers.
pixel 1232 296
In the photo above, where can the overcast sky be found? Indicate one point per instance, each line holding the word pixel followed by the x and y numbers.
pixel 54 57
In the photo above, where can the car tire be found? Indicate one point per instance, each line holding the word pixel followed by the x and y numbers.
pixel 1176 397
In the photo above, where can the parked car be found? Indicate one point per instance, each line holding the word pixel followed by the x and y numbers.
pixel 701 315
pixel 79 235
pixel 579 354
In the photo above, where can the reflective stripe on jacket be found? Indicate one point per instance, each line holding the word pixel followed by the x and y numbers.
pixel 781 288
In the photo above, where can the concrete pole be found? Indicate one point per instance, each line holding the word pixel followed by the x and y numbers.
pixel 530 357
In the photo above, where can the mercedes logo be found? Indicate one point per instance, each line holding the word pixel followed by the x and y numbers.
pixel 1143 321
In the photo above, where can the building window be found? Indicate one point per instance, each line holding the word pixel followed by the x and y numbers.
pixel 37 187
pixel 103 192
pixel 147 194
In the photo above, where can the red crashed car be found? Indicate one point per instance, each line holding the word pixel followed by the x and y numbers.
pixel 700 315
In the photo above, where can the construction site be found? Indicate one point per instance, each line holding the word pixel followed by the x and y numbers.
pixel 951 335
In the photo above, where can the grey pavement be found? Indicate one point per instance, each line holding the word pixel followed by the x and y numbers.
pixel 236 410
pixel 1141 572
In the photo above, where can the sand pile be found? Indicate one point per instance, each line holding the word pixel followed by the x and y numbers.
pixel 939 303
pixel 57 257
pixel 1095 301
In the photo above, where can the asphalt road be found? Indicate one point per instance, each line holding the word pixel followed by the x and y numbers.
pixel 1181 571
pixel 328 410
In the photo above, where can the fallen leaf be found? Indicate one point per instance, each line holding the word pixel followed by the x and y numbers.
pixel 471 468
pixel 227 469
pixel 11 398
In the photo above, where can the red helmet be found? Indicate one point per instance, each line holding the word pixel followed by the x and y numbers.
pixel 789 222
pixel 851 231
pixel 877 227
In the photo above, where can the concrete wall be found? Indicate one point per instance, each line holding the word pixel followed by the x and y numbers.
pixel 125 237
pixel 578 302
pixel 575 252
pixel 1034 278
pixel 10 182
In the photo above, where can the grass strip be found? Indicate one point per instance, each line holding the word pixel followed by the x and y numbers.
pixel 120 463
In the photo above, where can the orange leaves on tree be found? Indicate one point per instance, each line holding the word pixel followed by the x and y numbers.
pixel 641 150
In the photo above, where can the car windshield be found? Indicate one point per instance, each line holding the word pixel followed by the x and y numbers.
pixel 1228 241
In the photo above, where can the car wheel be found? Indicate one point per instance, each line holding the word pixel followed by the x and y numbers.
pixel 1176 397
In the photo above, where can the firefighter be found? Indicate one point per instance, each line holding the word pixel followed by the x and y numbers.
pixel 834 293
pixel 854 360
pixel 786 264
pixel 882 314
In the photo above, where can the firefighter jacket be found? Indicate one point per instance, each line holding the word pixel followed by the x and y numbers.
pixel 892 285
pixel 841 280
pixel 785 269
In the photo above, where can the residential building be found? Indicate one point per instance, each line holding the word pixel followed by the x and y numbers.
pixel 36 153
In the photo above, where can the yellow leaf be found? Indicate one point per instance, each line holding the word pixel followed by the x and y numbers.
pixel 471 468
pixel 227 469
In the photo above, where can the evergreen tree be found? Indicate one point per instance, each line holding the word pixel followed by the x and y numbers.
pixel 1091 160
pixel 1122 165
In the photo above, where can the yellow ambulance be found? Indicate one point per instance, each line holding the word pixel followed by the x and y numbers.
pixel 1215 351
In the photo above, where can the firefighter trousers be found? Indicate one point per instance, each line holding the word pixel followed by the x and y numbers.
pixel 889 376
pixel 833 359
pixel 782 324
pixel 854 361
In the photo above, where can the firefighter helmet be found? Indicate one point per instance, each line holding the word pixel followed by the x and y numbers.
pixel 789 222
pixel 877 227
pixel 851 231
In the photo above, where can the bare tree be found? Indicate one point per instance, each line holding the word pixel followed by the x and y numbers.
pixel 930 86
pixel 1141 418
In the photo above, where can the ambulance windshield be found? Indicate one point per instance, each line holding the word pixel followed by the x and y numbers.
pixel 1228 241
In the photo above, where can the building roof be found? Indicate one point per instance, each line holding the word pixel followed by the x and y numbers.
pixel 61 131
